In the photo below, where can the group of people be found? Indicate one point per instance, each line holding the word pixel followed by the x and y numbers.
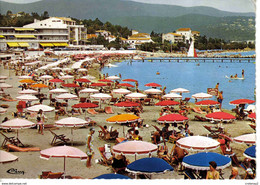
pixel 236 76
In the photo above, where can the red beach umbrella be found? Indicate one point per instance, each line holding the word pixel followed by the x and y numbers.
pixel 172 118
pixel 83 80
pixel 85 105
pixel 106 80
pixel 129 80
pixel 252 115
pixel 220 116
pixel 125 85
pixel 127 104
pixel 98 84
pixel 152 85
pixel 167 103
pixel 70 85
pixel 207 102
pixel 241 101
pixel 56 80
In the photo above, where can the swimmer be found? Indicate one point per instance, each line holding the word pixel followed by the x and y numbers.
pixel 157 72
pixel 231 76
pixel 235 76
pixel 243 73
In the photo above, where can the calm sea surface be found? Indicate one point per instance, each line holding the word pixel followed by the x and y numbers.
pixel 190 76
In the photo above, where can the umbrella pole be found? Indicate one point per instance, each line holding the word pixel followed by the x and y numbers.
pixel 64 166
pixel 72 136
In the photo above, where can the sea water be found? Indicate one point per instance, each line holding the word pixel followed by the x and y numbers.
pixel 189 75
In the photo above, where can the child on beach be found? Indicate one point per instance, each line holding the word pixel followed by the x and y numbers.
pixel 40 125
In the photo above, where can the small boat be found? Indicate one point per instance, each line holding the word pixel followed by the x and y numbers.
pixel 235 78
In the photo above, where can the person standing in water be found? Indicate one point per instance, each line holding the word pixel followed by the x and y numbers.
pixel 243 73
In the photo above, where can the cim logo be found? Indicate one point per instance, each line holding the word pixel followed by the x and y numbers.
pixel 14 171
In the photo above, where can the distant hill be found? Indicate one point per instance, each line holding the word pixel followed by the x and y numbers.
pixel 228 28
pixel 147 17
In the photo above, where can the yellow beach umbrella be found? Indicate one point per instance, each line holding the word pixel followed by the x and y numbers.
pixel 123 118
pixel 27 81
pixel 39 86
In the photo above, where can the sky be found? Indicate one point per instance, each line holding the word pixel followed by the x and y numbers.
pixel 226 5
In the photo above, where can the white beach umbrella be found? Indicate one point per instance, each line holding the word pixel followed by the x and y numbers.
pixel 6 157
pixel 121 91
pixel 25 77
pixel 113 78
pixel 89 90
pixel 82 70
pixel 89 77
pixel 171 96
pixel 3 77
pixel 66 96
pixel 66 69
pixel 28 91
pixel 58 91
pixel 2 110
pixel 180 90
pixel 56 68
pixel 46 77
pixel 2 92
pixel 201 96
pixel 44 108
pixel 27 98
pixel 67 77
pixel 5 85
pixel 246 138
pixel 101 96
pixel 136 96
pixel 153 91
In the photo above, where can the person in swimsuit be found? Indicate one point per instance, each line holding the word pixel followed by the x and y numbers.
pixel 89 146
pixel 212 173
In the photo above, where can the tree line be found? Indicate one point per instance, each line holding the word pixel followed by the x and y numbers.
pixel 201 42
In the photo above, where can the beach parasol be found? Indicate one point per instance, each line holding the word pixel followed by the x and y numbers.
pixel 101 96
pixel 136 96
pixel 70 85
pixel 25 77
pixel 113 78
pixel 71 122
pixel 67 77
pixel 44 108
pixel 46 77
pixel 201 96
pixel 5 85
pixel 112 176
pixel 85 105
pixel 171 96
pixel 82 70
pixel 6 157
pixel 39 86
pixel 66 96
pixel 200 161
pixel 2 110
pixel 105 80
pixel 167 103
pixel 3 77
pixel 121 91
pixel 27 98
pixel 28 91
pixel 129 80
pixel 152 85
pixel 123 118
pixel 127 104
pixel 172 118
pixel 241 101
pixel 83 80
pixel 250 153
pixel 153 91
pixel 207 102
pixel 58 91
pixel 198 143
pixel 221 116
pixel 135 148
pixel 180 90
pixel 63 152
pixel 89 77
pixel 89 90
pixel 27 81
pixel 56 80
pixel 149 166
pixel 252 116
pixel 246 138
pixel 125 85
pixel 17 124
pixel 98 84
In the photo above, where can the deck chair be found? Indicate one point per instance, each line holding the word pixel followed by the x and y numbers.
pixel 92 111
pixel 108 110
pixel 198 110
pixel 82 100
pixel 248 175
pixel 53 175
pixel 23 103
pixel 147 101
pixel 59 139
pixel 112 101
pixel 199 118
pixel 19 109
pixel 252 126
pixel 214 132
pixel 186 100
pixel 106 135
pixel 44 174
pixel 11 140
pixel 105 161
pixel 188 174
pixel 11 147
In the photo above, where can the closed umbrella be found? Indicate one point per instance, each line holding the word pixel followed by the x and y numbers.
pixel 63 152
pixel 200 161
pixel 246 138
pixel 6 157
pixel 198 143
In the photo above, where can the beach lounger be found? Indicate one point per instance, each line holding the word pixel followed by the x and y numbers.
pixel 252 126
pixel 147 101
pixel 51 175
pixel 82 100
pixel 92 111
pixel 186 100
pixel 199 118
pixel 11 147
pixel 11 140
pixel 198 110
pixel 214 132
pixel 105 161
pixel 120 139
pixel 59 139
pixel 108 110
pixel 189 175
pixel 113 101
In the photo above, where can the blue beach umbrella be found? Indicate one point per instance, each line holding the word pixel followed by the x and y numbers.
pixel 200 161
pixel 250 152
pixel 150 166
pixel 112 176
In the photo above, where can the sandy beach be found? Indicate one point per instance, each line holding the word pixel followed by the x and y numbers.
pixel 32 165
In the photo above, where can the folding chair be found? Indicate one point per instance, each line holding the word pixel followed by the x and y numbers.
pixel 11 140
pixel 214 132
pixel 188 174
pixel 58 139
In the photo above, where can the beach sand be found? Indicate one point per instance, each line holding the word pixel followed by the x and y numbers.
pixel 32 165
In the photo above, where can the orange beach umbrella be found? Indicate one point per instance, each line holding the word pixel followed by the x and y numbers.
pixel 39 86
pixel 123 118
pixel 27 81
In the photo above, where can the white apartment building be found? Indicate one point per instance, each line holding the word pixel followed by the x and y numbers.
pixel 51 32
pixel 172 37
pixel 186 32
pixel 138 39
